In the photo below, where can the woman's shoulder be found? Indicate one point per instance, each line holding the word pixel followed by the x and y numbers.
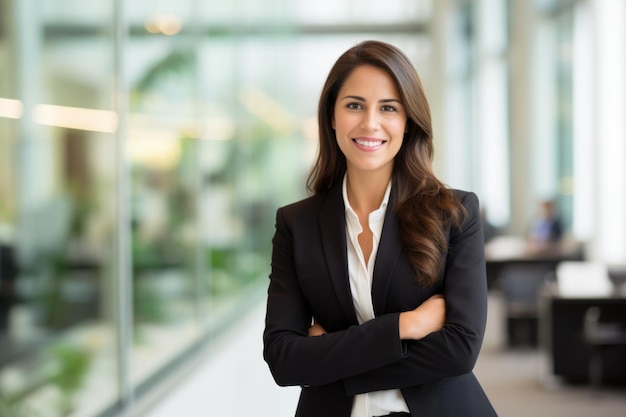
pixel 305 205
pixel 315 202
pixel 467 198
pixel 301 214
pixel 469 201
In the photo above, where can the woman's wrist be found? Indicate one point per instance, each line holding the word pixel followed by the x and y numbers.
pixel 407 326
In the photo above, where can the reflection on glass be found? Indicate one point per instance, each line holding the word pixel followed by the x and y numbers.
pixel 57 333
pixel 564 114
pixel 161 148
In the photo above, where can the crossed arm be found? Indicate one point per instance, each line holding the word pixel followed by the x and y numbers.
pixel 416 324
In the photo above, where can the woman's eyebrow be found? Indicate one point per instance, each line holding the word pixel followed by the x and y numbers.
pixel 353 98
pixel 359 98
pixel 390 100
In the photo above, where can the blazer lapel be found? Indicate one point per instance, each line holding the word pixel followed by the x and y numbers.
pixel 389 249
pixel 333 231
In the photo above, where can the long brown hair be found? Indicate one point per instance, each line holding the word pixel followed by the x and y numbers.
pixel 423 204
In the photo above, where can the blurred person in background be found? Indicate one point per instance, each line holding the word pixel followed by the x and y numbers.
pixel 377 298
pixel 546 228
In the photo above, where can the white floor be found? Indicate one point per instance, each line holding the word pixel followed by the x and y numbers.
pixel 233 381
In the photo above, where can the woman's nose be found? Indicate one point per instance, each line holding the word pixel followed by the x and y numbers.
pixel 370 121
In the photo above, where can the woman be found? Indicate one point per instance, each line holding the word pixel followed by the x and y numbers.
pixel 377 297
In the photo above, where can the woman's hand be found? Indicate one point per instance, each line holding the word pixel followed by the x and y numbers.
pixel 427 318
pixel 316 329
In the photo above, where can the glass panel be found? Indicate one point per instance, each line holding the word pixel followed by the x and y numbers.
pixel 250 139
pixel 564 121
pixel 583 204
pixel 162 148
pixel 491 111
pixel 610 132
pixel 58 354
pixel 458 98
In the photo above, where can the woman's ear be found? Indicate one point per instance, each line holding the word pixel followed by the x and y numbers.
pixel 332 123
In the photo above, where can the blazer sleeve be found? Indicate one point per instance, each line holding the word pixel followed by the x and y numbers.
pixel 453 350
pixel 293 357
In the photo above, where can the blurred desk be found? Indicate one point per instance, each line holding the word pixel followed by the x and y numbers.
pixel 561 336
pixel 505 253
pixel 520 269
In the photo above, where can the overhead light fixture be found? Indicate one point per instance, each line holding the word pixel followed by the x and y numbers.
pixel 76 118
pixel 166 24
pixel 10 108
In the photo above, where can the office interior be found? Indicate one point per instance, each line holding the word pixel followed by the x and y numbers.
pixel 145 146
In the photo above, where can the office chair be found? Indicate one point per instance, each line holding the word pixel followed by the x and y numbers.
pixel 521 285
pixel 600 337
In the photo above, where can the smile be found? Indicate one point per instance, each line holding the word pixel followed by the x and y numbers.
pixel 369 143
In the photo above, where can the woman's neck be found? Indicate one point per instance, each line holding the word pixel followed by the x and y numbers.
pixel 366 191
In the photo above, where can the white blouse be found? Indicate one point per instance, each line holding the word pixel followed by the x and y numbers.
pixel 376 403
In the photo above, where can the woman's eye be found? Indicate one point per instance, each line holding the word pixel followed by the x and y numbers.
pixel 353 106
pixel 388 108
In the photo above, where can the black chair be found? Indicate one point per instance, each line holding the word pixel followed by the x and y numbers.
pixel 8 275
pixel 600 337
pixel 521 285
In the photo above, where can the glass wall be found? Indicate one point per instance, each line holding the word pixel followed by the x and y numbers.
pixel 490 108
pixel 579 149
pixel 57 216
pixel 145 147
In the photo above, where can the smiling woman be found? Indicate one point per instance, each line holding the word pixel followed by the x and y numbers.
pixel 385 261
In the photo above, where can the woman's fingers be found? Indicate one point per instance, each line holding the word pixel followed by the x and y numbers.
pixel 316 329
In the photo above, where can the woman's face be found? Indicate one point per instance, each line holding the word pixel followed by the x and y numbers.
pixel 369 120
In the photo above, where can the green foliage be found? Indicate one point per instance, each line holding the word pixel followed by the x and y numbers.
pixel 149 305
pixel 12 407
pixel 69 373
pixel 177 61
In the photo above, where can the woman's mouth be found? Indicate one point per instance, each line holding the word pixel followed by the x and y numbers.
pixel 367 144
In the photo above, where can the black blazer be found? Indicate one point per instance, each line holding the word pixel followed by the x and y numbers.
pixel 309 278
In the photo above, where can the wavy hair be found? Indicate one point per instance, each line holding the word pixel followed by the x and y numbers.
pixel 423 204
